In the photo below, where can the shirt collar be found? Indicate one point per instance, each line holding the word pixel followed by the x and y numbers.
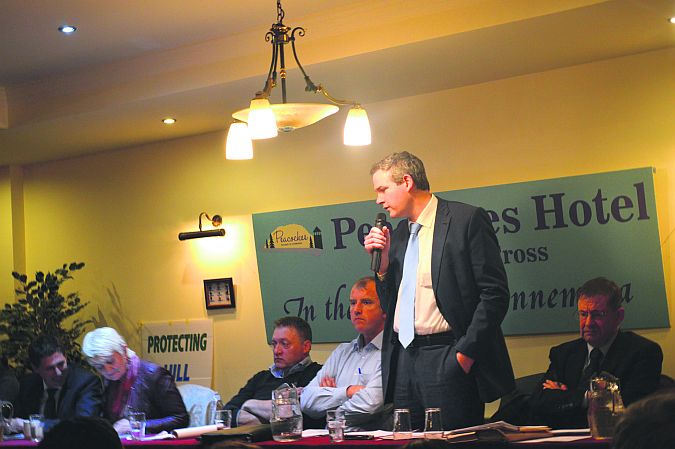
pixel 301 365
pixel 426 218
pixel 604 349
pixel 376 342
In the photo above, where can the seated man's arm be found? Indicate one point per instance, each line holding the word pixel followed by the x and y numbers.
pixel 245 418
pixel 554 399
pixel 316 399
pixel 256 409
pixel 366 399
pixel 90 397
pixel 356 398
pixel 245 393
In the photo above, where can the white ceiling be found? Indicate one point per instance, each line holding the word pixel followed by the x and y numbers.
pixel 132 63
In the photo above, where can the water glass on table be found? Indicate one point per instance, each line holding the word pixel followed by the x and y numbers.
pixel 335 420
pixel 137 424
pixel 402 426
pixel 223 419
pixel 433 425
pixel 33 428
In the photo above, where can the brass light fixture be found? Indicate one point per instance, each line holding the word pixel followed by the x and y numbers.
pixel 264 120
pixel 216 221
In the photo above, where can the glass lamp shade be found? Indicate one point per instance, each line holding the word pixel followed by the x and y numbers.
pixel 238 145
pixel 357 128
pixel 261 121
pixel 291 116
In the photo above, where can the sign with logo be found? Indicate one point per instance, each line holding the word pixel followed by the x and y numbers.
pixel 184 348
pixel 554 235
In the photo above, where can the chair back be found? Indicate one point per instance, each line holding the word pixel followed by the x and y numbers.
pixel 514 408
pixel 200 403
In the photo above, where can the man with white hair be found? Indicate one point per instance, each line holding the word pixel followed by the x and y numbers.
pixel 133 384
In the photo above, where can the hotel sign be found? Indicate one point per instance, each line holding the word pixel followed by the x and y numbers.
pixel 554 235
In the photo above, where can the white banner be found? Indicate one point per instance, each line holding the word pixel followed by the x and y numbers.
pixel 185 348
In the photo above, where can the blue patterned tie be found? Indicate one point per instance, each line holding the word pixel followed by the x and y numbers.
pixel 406 311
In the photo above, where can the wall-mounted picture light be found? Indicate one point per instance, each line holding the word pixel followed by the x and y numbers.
pixel 216 221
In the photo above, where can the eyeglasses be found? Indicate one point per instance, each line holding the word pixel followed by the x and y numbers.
pixel 594 314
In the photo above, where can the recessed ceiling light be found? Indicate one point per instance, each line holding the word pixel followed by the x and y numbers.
pixel 672 20
pixel 67 29
pixel 169 121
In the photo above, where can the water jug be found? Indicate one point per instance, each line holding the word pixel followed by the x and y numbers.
pixel 7 411
pixel 286 419
pixel 605 405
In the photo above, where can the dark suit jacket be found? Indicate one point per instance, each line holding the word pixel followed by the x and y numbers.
pixel 471 290
pixel 635 360
pixel 81 395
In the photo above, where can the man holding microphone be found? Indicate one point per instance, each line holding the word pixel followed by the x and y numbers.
pixel 444 290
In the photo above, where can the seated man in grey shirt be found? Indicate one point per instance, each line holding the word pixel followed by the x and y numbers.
pixel 351 379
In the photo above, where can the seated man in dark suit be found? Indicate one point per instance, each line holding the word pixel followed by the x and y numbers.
pixel 291 343
pixel 54 388
pixel 561 400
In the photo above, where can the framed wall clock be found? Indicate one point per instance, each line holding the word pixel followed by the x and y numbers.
pixel 219 293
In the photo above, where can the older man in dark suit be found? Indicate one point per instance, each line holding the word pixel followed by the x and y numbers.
pixel 561 399
pixel 55 389
pixel 443 286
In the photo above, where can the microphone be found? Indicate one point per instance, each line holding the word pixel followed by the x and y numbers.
pixel 376 255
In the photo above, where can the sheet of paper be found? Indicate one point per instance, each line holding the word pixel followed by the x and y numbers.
pixel 163 435
pixel 314 432
pixel 374 433
pixel 586 432
pixel 556 439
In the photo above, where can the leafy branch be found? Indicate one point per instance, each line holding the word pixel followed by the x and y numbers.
pixel 41 309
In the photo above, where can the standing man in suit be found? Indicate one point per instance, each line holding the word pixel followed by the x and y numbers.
pixel 561 400
pixel 54 388
pixel 443 287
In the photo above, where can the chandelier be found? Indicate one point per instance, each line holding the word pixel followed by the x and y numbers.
pixel 263 120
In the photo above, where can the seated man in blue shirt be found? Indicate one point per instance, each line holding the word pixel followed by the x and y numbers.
pixel 351 379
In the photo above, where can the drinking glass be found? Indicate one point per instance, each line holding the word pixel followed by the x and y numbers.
pixel 402 427
pixel 223 419
pixel 137 423
pixel 36 426
pixel 335 420
pixel 433 425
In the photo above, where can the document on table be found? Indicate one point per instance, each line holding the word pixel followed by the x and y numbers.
pixel 376 433
pixel 556 439
pixel 564 436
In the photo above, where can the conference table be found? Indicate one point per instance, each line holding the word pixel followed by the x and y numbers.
pixel 322 442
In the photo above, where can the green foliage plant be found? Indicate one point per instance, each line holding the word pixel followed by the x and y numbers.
pixel 41 309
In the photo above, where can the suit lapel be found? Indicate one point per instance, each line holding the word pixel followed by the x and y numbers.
pixel 37 395
pixel 612 358
pixel 577 361
pixel 441 226
pixel 63 393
